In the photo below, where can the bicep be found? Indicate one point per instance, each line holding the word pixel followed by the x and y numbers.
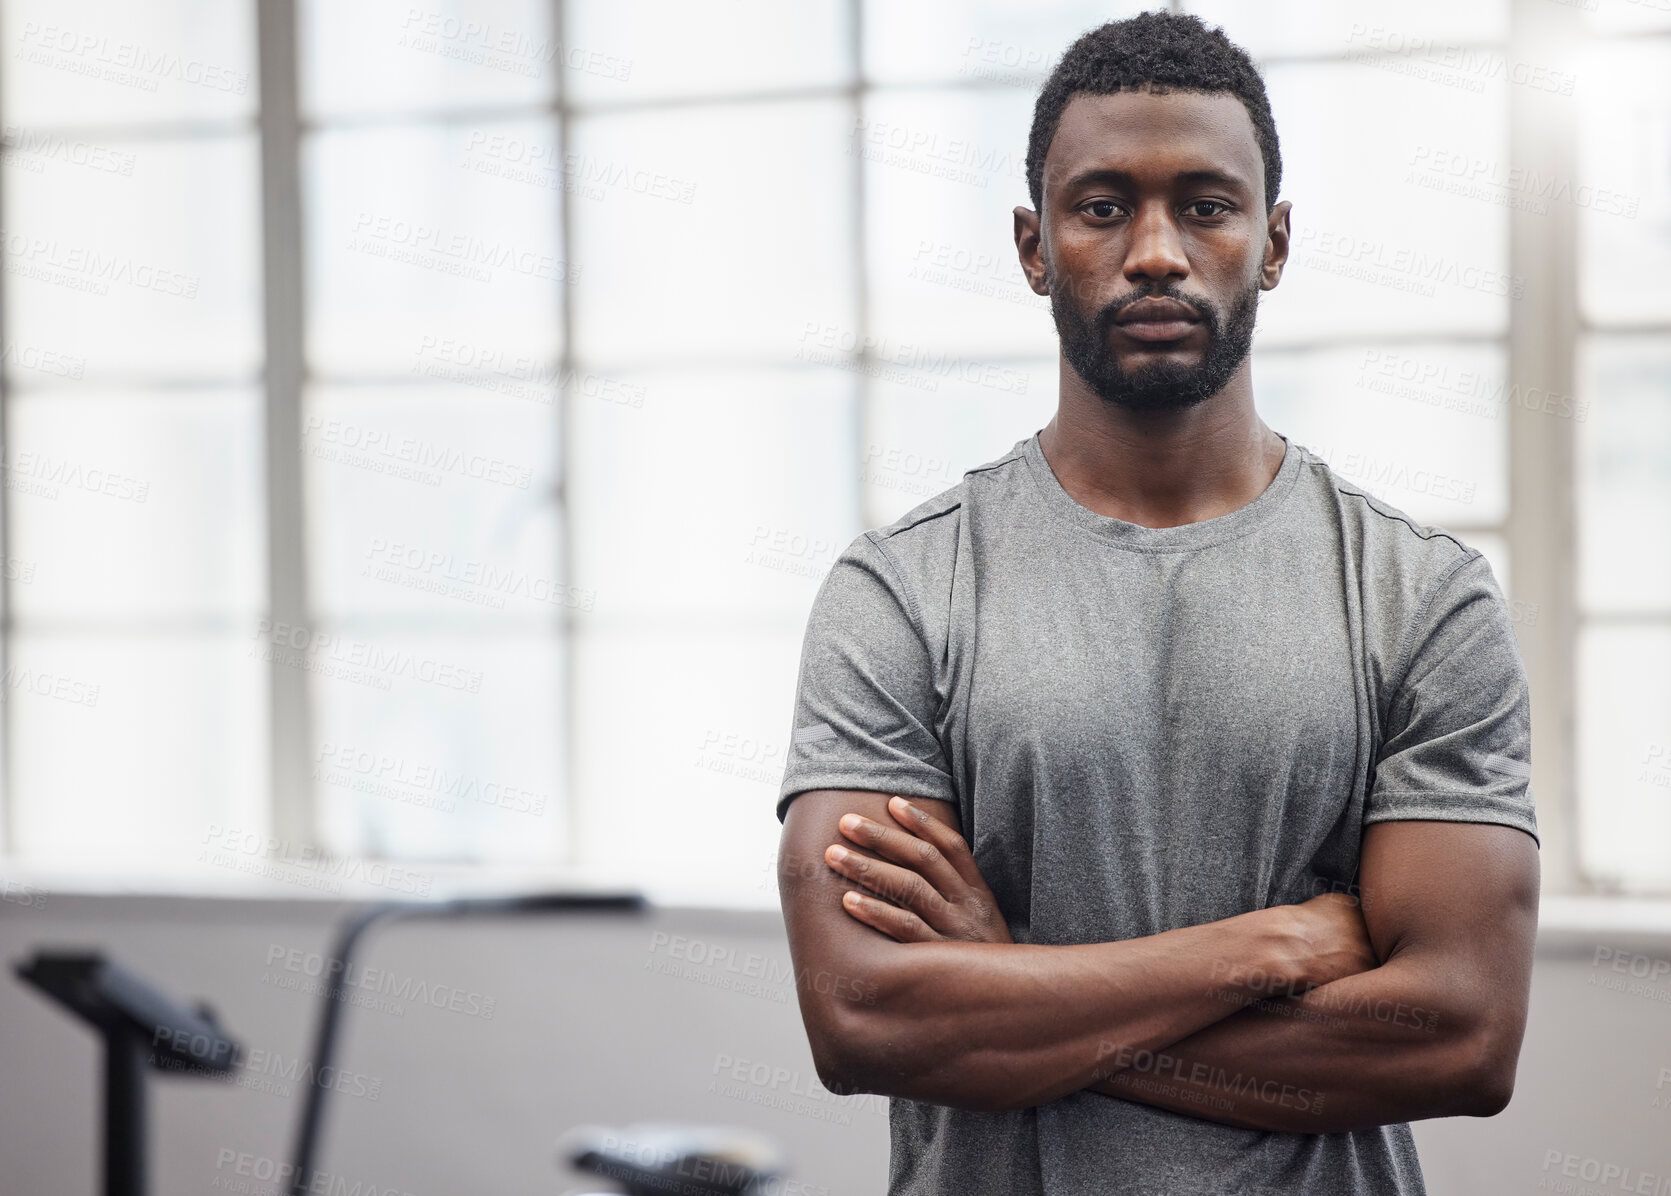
pixel 824 940
pixel 1459 899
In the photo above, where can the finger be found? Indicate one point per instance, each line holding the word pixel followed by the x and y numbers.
pixel 900 844
pixel 951 846
pixel 890 882
pixel 892 921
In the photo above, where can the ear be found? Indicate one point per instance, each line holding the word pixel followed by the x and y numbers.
pixel 1029 247
pixel 1276 246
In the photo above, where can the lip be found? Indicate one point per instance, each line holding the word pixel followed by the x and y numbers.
pixel 1157 320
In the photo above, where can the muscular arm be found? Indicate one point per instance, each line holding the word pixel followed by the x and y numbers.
pixel 999 1025
pixel 1434 1031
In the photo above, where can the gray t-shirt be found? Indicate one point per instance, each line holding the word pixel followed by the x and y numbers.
pixel 1150 728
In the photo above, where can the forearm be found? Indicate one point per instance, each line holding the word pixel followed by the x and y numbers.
pixel 1006 1025
pixel 1397 1043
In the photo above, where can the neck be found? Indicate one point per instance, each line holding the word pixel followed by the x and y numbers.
pixel 1161 468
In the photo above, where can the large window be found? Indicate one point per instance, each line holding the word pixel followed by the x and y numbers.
pixel 427 423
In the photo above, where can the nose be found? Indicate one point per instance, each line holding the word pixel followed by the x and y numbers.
pixel 1156 250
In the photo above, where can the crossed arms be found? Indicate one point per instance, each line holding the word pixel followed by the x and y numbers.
pixel 1322 1017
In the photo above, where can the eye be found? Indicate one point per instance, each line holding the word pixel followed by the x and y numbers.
pixel 1196 205
pixel 1103 209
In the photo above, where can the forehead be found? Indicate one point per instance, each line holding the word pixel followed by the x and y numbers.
pixel 1155 136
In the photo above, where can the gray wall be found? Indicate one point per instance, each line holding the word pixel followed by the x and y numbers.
pixel 599 1021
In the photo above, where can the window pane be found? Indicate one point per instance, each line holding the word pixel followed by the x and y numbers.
pixel 929 426
pixel 113 62
pixel 1623 189
pixel 758 259
pixel 1624 755
pixel 438 747
pixel 431 499
pixel 400 55
pixel 127 505
pixel 131 749
pixel 725 495
pixel 943 173
pixel 1438 34
pixel 415 249
pixel 148 269
pixel 1008 42
pixel 1379 246
pixel 1624 475
pixel 685 735
pixel 659 48
pixel 1423 427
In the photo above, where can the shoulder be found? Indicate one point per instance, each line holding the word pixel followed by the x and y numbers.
pixel 1397 554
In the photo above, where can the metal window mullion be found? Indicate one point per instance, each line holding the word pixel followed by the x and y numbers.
pixel 1543 322
pixel 290 728
pixel 573 821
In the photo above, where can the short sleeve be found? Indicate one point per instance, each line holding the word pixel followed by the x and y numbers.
pixel 865 698
pixel 1458 737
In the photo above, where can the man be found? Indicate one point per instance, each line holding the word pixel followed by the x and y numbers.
pixel 1219 864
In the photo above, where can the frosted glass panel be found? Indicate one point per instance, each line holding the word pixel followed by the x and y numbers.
pixel 744 252
pixel 659 48
pixel 432 499
pixel 417 240
pixel 124 505
pixel 130 750
pixel 402 56
pixel 928 427
pixel 1624 755
pixel 1436 34
pixel 1379 246
pixel 113 62
pixel 144 262
pixel 687 734
pixel 1623 189
pixel 1006 43
pixel 1624 476
pixel 943 174
pixel 724 495
pixel 1423 427
pixel 439 747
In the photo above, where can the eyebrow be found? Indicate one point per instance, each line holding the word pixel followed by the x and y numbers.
pixel 1209 176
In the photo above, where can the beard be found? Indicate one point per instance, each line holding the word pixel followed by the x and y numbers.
pixel 1160 385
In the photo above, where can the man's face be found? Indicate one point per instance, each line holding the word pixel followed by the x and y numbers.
pixel 1155 243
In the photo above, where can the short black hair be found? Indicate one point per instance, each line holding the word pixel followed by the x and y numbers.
pixel 1160 51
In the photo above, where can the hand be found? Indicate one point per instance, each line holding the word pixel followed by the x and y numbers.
pixel 1335 940
pixel 933 891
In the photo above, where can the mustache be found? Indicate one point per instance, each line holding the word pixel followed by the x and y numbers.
pixel 1112 309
